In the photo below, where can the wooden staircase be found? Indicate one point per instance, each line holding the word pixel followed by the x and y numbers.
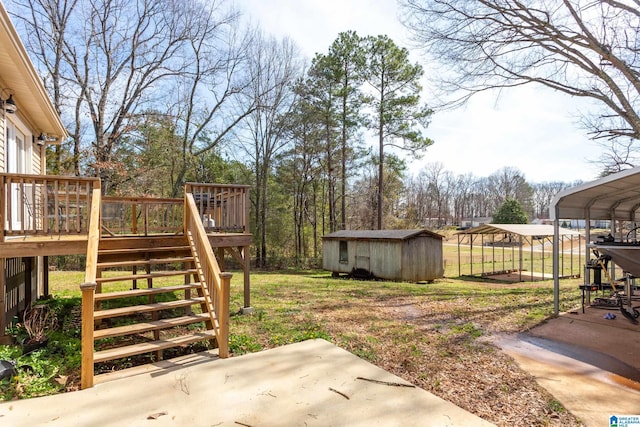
pixel 145 294
pixel 149 297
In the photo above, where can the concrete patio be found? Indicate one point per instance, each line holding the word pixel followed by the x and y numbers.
pixel 588 363
pixel 312 383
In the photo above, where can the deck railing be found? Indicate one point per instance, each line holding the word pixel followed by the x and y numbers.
pixel 218 283
pixel 141 215
pixel 223 208
pixel 45 204
pixel 33 205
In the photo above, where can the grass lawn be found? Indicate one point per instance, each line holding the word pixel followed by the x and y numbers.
pixel 429 334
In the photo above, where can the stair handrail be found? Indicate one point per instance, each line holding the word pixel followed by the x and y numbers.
pixel 217 282
pixel 88 289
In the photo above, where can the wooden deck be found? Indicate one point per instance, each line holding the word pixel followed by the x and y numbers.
pixel 46 216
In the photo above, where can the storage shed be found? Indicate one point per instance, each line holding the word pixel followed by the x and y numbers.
pixel 403 255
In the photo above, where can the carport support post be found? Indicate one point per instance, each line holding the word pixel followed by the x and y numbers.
pixel 459 274
pixel 556 254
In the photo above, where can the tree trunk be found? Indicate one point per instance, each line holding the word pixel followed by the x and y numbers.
pixel 380 175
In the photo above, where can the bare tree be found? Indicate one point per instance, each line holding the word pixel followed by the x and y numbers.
pixel 462 194
pixel 509 183
pixel 212 90
pixel 111 61
pixel 49 21
pixel 543 193
pixel 587 49
pixel 273 68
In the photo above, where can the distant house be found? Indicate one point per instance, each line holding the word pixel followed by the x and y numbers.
pixel 403 255
pixel 475 221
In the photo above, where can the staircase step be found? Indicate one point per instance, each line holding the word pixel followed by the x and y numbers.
pixel 146 276
pixel 160 367
pixel 139 263
pixel 145 308
pixel 130 350
pixel 144 291
pixel 155 325
pixel 144 250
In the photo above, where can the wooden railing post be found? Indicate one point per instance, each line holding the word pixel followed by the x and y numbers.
pixel 86 374
pixel 223 314
pixel 246 211
pixel 134 219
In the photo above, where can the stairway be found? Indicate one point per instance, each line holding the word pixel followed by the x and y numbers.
pixel 149 298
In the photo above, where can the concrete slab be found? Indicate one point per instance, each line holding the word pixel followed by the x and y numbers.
pixel 312 383
pixel 589 363
pixel 587 391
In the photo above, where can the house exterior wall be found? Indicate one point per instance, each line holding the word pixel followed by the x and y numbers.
pixel 3 143
pixel 21 279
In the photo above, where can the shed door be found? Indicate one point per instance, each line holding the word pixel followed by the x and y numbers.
pixel 362 256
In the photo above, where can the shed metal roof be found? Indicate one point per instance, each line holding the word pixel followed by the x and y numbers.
pixel 379 234
pixel 518 229
pixel 616 196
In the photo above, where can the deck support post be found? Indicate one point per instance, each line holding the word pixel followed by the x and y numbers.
pixel 223 314
pixel 88 293
pixel 246 268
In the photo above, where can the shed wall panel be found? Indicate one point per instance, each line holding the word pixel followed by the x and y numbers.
pixel 331 257
pixel 422 260
pixel 386 259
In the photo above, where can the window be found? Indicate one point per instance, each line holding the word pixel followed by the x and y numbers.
pixel 344 253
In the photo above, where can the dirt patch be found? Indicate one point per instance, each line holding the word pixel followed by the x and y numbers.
pixel 465 370
pixel 429 334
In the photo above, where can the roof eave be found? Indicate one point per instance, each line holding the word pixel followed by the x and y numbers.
pixel 19 74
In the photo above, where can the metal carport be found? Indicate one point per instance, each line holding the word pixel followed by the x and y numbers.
pixel 615 197
pixel 514 236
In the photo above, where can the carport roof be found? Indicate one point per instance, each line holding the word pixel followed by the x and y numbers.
pixel 616 196
pixel 518 229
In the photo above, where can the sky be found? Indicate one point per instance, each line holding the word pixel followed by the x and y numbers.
pixel 530 128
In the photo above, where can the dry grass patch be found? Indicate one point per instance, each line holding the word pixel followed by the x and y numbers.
pixel 431 335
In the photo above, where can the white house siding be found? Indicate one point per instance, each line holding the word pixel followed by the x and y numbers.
pixel 3 144
pixel 36 163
